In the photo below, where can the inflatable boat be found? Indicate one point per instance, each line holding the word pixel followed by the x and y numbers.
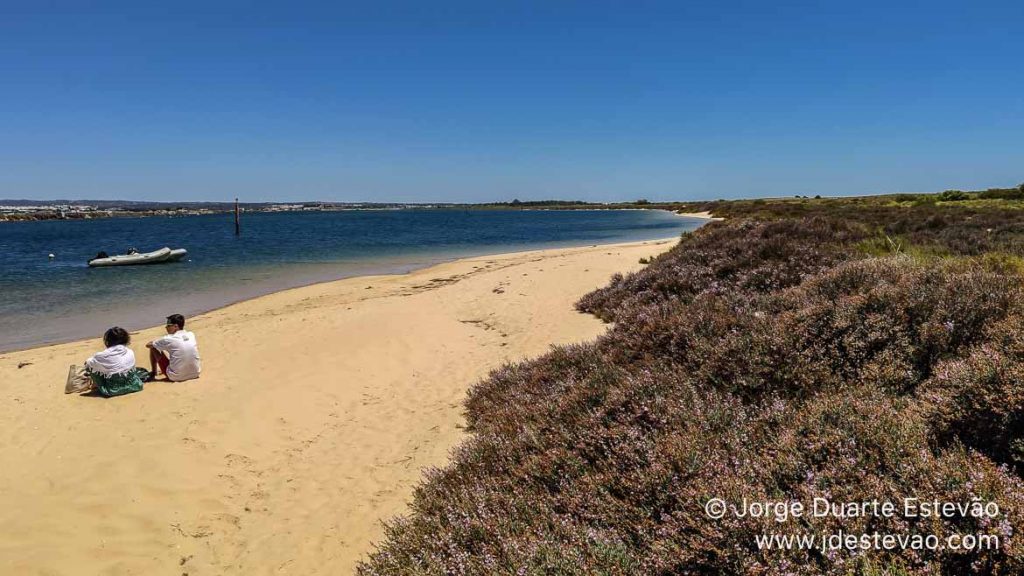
pixel 138 258
pixel 176 255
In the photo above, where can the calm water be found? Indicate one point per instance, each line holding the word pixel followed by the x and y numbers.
pixel 44 301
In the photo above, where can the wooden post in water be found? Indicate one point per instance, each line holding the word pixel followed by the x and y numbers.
pixel 238 225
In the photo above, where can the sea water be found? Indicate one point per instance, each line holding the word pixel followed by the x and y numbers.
pixel 46 301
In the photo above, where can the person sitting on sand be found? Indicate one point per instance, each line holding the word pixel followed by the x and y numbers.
pixel 109 372
pixel 176 355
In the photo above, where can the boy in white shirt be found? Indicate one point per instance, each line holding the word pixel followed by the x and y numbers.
pixel 176 354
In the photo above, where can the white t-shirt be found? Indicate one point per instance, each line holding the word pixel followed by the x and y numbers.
pixel 183 354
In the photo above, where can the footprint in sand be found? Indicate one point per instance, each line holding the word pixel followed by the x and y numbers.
pixel 197 443
pixel 239 461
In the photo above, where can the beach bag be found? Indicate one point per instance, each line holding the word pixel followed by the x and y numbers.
pixel 78 381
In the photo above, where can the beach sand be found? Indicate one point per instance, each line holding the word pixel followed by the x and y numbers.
pixel 316 413
pixel 705 215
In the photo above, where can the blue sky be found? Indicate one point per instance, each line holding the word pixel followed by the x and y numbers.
pixel 485 100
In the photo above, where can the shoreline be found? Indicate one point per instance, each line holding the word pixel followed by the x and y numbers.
pixel 49 215
pixel 317 410
pixel 202 309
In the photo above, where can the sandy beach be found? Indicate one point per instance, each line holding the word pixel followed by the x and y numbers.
pixel 317 411
pixel 706 215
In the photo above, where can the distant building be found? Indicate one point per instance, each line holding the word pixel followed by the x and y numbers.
pixel 56 208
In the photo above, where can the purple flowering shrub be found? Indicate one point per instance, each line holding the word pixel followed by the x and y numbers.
pixel 850 448
pixel 766 361
pixel 954 228
pixel 886 321
pixel 725 257
pixel 979 400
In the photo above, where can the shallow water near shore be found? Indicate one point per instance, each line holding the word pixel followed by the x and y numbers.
pixel 43 301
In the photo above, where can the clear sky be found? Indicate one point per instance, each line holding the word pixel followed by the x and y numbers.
pixel 486 100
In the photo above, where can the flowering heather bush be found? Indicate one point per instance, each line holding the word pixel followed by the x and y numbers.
pixel 979 400
pixel 726 257
pixel 885 321
pixel 955 228
pixel 759 360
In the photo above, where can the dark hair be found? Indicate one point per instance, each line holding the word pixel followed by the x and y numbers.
pixel 176 319
pixel 115 336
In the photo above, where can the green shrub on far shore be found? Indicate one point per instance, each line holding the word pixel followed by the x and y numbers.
pixel 1003 193
pixel 953 196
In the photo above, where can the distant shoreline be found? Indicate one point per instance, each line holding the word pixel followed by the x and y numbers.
pixel 81 210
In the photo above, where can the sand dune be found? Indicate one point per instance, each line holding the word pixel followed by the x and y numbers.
pixel 316 413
